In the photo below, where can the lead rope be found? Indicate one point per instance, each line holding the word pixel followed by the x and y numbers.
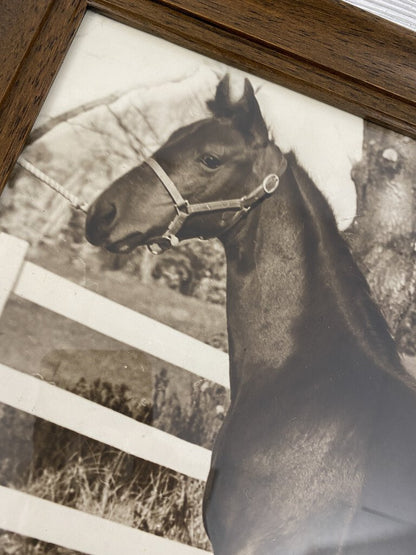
pixel 71 198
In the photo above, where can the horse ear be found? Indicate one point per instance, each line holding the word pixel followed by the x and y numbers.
pixel 245 112
pixel 250 117
pixel 221 105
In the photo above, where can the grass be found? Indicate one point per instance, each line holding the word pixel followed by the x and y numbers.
pixel 53 463
pixel 147 497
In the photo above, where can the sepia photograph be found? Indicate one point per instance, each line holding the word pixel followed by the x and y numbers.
pixel 207 315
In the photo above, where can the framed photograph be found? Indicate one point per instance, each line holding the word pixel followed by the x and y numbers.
pixel 207 253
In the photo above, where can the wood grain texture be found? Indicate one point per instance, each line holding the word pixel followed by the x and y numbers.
pixel 329 50
pixel 17 34
pixel 333 35
pixel 33 63
pixel 326 49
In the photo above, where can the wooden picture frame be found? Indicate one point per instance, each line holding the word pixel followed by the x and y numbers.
pixel 326 49
pixel 329 51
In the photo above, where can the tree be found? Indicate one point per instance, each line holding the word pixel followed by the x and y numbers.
pixel 382 236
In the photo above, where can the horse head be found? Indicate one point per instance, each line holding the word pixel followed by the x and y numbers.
pixel 198 184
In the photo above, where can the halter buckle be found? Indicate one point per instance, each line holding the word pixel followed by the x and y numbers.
pixel 182 208
pixel 270 183
pixel 163 243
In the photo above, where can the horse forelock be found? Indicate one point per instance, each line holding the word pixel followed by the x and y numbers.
pixel 206 133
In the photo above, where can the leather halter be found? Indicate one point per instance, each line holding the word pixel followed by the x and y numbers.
pixel 184 209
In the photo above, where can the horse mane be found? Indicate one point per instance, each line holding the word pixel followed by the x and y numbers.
pixel 363 316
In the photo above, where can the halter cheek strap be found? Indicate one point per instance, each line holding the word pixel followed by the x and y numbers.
pixel 184 209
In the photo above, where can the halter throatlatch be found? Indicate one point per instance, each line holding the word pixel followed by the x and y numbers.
pixel 184 209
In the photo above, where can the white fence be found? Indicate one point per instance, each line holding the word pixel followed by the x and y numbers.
pixel 50 522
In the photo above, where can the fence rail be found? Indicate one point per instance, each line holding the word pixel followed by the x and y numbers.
pixel 70 411
pixel 34 517
pixel 46 521
pixel 60 295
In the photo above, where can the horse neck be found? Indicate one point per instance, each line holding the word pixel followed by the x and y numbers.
pixel 291 280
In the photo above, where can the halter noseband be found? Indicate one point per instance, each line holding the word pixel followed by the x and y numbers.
pixel 184 209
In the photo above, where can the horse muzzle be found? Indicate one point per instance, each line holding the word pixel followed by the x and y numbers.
pixel 126 245
pixel 101 219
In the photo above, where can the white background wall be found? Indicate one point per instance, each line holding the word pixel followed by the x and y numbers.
pixel 402 12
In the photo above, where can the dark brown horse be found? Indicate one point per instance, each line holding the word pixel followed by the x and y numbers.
pixel 317 454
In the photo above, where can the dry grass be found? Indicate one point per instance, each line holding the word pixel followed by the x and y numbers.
pixel 163 503
pixel 78 472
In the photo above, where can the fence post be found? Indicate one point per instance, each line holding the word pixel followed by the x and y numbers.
pixel 12 257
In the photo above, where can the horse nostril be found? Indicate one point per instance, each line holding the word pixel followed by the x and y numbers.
pixel 101 219
pixel 108 215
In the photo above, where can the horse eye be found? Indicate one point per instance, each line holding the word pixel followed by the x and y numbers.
pixel 211 161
